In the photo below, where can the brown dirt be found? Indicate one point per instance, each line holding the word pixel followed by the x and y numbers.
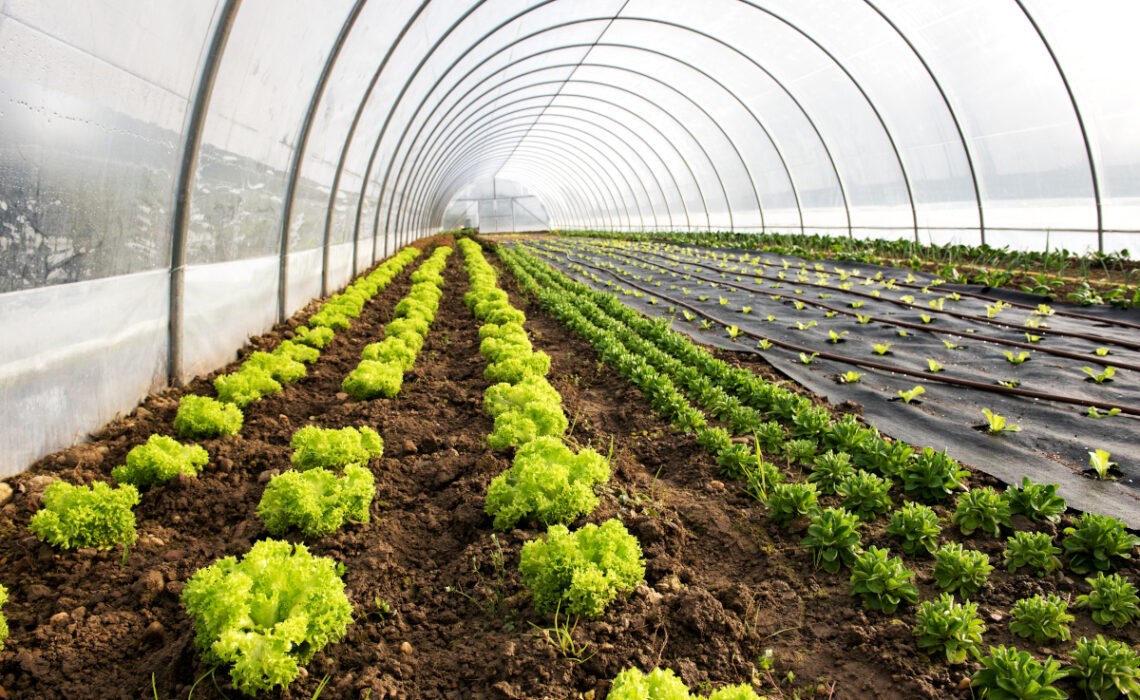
pixel 724 583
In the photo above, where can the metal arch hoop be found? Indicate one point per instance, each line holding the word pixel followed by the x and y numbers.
pixel 950 110
pixel 1080 123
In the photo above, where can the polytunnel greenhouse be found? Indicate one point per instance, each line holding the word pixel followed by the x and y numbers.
pixel 582 349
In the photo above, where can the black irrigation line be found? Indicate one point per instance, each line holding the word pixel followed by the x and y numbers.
pixel 929 376
pixel 918 326
pixel 955 314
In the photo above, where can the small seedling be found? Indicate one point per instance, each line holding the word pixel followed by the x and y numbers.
pixel 804 326
pixel 1098 460
pixel 705 324
pixel 1011 383
pixel 688 315
pixel 850 377
pixel 764 344
pixel 926 319
pixel 770 318
pixel 1105 376
pixel 1030 338
pixel 937 303
pixel 1016 359
pixel 746 309
pixel 834 337
pixel 806 358
pixel 1101 352
pixel 1093 413
pixel 882 348
pixel 862 319
pixel 999 424
pixel 1034 322
pixel 934 366
pixel 1043 310
pixel 723 301
pixel 951 345
pixel 704 297
pixel 799 305
pixel 911 395
pixel 907 298
pixel 733 331
pixel 903 333
pixel 857 304
pixel 830 314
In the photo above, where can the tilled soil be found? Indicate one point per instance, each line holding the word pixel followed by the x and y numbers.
pixel 440 611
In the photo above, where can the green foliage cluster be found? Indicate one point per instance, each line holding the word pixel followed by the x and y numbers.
pixel 1009 674
pixel 790 500
pixel 917 526
pixel 1035 501
pixel 268 613
pixel 581 572
pixel 953 629
pixel 158 460
pixel 80 516
pixel 865 494
pixel 316 337
pixel 959 570
pixel 1032 549
pixel 524 411
pixel 1041 619
pixel 332 448
pixel 663 684
pixel 882 581
pixel 1112 600
pixel 830 469
pixel 316 502
pixel 335 313
pixel 297 352
pixel 278 365
pixel 1106 669
pixel 546 482
pixel 884 457
pixel 200 417
pixel 833 538
pixel 931 476
pixel 245 386
pixel 3 620
pixel 982 508
pixel 372 379
pixel 1098 542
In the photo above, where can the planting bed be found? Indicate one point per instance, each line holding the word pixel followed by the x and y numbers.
pixel 439 607
pixel 1055 438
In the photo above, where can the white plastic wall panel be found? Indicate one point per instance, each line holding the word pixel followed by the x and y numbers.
pixel 340 265
pixel 304 281
pixel 225 304
pixel 73 356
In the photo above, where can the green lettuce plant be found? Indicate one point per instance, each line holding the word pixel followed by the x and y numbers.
pixel 316 502
pixel 80 516
pixel 830 469
pixel 1112 600
pixel 1106 669
pixel 332 448
pixel 316 337
pixel 372 379
pixel 982 508
pixel 3 620
pixel 882 581
pixel 394 350
pixel 524 411
pixel 883 457
pixel 581 572
pixel 1041 619
pixel 1098 542
pixel 1032 549
pixel 663 684
pixel 546 482
pixel 959 570
pixel 833 538
pixel 158 460
pixel 1009 674
pixel 245 386
pixel 791 500
pixel 865 494
pixel 1035 501
pixel 279 366
pixel 931 476
pixel 297 352
pixel 200 417
pixel 267 614
pixel 953 629
pixel 917 526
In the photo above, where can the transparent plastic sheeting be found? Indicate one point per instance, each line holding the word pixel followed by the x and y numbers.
pixel 333 132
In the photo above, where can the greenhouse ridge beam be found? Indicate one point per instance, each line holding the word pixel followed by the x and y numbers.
pixel 191 148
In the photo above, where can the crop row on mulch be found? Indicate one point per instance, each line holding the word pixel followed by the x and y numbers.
pixel 723 583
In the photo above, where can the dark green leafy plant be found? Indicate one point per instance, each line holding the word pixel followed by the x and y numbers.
pixel 801 450
pixel 865 494
pixel 833 538
pixel 831 468
pixel 1041 619
pixel 883 457
pixel 761 477
pixel 316 502
pixel 334 449
pixel 948 627
pixel 581 572
pixel 771 435
pixel 81 516
pixel 882 581
pixel 982 508
pixel 1113 600
pixel 1032 549
pixel 201 417
pixel 810 422
pixel 158 460
pixel 917 526
pixel 959 570
pixel 847 435
pixel 931 476
pixel 1098 542
pixel 1009 674
pixel 268 613
pixel 1035 501
pixel 714 440
pixel 788 501
pixel 1106 669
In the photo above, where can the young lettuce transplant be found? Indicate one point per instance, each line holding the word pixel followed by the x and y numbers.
pixel 268 613
pixel 959 570
pixel 546 482
pixel 917 526
pixel 1041 619
pixel 1098 542
pixel 158 460
pixel 372 379
pixel 201 417
pixel 522 412
pixel 1113 600
pixel 1015 675
pixel 79 516
pixel 1106 669
pixel 245 386
pixel 277 365
pixel 316 502
pixel 3 620
pixel 882 581
pixel 581 572
pixel 333 449
pixel 663 684
pixel 948 627
pixel 1035 501
pixel 297 352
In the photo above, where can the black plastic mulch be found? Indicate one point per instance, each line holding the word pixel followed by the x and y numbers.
pixel 1055 439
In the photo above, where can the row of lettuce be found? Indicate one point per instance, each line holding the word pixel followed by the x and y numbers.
pixel 858 468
